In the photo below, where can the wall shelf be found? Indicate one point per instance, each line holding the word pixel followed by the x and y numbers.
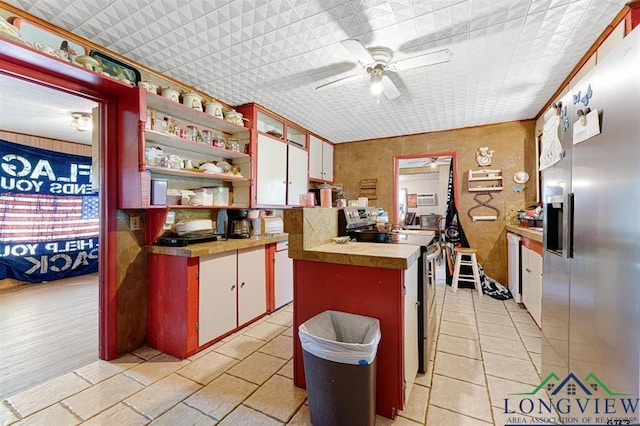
pixel 198 175
pixel 485 180
pixel 168 139
pixel 174 109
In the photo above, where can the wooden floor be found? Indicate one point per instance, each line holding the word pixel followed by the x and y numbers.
pixel 47 330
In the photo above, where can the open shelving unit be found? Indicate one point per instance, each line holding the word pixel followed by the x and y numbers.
pixel 485 180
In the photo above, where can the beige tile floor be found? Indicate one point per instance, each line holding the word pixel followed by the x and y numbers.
pixel 485 349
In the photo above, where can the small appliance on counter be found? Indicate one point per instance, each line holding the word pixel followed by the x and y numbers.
pixel 191 232
pixel 239 225
pixel 272 225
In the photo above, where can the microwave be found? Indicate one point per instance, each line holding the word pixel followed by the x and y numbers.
pixel 430 199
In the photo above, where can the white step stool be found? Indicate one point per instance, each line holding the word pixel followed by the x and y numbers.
pixel 473 262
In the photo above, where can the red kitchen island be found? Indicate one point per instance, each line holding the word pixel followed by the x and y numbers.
pixel 376 280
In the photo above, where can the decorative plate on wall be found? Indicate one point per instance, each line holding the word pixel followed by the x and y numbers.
pixel 521 177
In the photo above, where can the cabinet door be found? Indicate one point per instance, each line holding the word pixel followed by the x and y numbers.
pixel 252 285
pixel 283 278
pixel 315 157
pixel 327 162
pixel 532 283
pixel 297 175
pixel 271 172
pixel 536 285
pixel 410 328
pixel 217 299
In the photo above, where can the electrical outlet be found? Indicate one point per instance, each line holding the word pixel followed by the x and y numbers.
pixel 134 223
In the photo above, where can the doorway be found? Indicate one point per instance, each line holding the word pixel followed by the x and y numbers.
pixel 421 187
pixel 48 312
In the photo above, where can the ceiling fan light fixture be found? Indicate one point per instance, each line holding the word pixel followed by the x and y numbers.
pixel 376 81
pixel 376 88
pixel 82 121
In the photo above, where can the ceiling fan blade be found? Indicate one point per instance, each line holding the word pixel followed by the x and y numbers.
pixel 358 51
pixel 388 88
pixel 340 81
pixel 422 60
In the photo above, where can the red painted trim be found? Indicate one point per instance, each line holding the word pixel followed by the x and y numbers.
pixel 632 18
pixel 154 220
pixel 29 65
pixel 532 245
pixel 172 304
pixel 341 287
pixel 396 170
pixel 270 252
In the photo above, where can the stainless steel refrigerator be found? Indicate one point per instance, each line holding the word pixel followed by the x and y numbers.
pixel 591 274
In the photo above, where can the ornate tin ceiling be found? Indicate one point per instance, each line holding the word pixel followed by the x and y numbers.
pixel 509 56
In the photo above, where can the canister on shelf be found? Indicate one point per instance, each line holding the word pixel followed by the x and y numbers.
pixel 214 108
pixel 193 100
pixel 207 136
pixel 192 133
pixel 170 93
pixel 149 86
pixel 234 117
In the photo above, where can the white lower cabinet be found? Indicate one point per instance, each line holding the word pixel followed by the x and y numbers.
pixel 217 296
pixel 282 275
pixel 532 283
pixel 252 285
pixel 232 291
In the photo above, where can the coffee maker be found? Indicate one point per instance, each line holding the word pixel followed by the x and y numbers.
pixel 238 224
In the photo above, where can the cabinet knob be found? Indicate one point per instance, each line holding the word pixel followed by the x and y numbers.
pixel 528 270
pixel 242 285
pixel 233 287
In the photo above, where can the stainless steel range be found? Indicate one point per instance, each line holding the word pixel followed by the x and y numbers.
pixel 353 218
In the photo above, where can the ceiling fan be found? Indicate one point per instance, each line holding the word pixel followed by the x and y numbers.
pixel 376 61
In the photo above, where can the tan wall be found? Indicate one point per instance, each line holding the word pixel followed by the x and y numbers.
pixel 514 146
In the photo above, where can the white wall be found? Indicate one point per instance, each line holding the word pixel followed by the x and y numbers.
pixel 424 183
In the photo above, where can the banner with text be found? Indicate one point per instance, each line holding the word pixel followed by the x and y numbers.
pixel 49 215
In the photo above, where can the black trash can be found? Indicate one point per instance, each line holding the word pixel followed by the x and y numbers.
pixel 339 353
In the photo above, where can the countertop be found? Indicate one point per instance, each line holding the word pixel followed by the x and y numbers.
pixel 203 249
pixel 375 255
pixel 534 234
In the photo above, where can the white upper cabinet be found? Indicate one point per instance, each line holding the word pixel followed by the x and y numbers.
pixel 320 160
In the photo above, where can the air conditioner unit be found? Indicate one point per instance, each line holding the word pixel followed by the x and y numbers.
pixel 430 199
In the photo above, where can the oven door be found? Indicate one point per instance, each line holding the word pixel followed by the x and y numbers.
pixel 427 300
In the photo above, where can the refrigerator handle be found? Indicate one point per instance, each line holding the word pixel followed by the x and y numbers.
pixel 570 219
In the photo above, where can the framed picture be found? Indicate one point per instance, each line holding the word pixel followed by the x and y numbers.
pixel 412 200
pixel 116 68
